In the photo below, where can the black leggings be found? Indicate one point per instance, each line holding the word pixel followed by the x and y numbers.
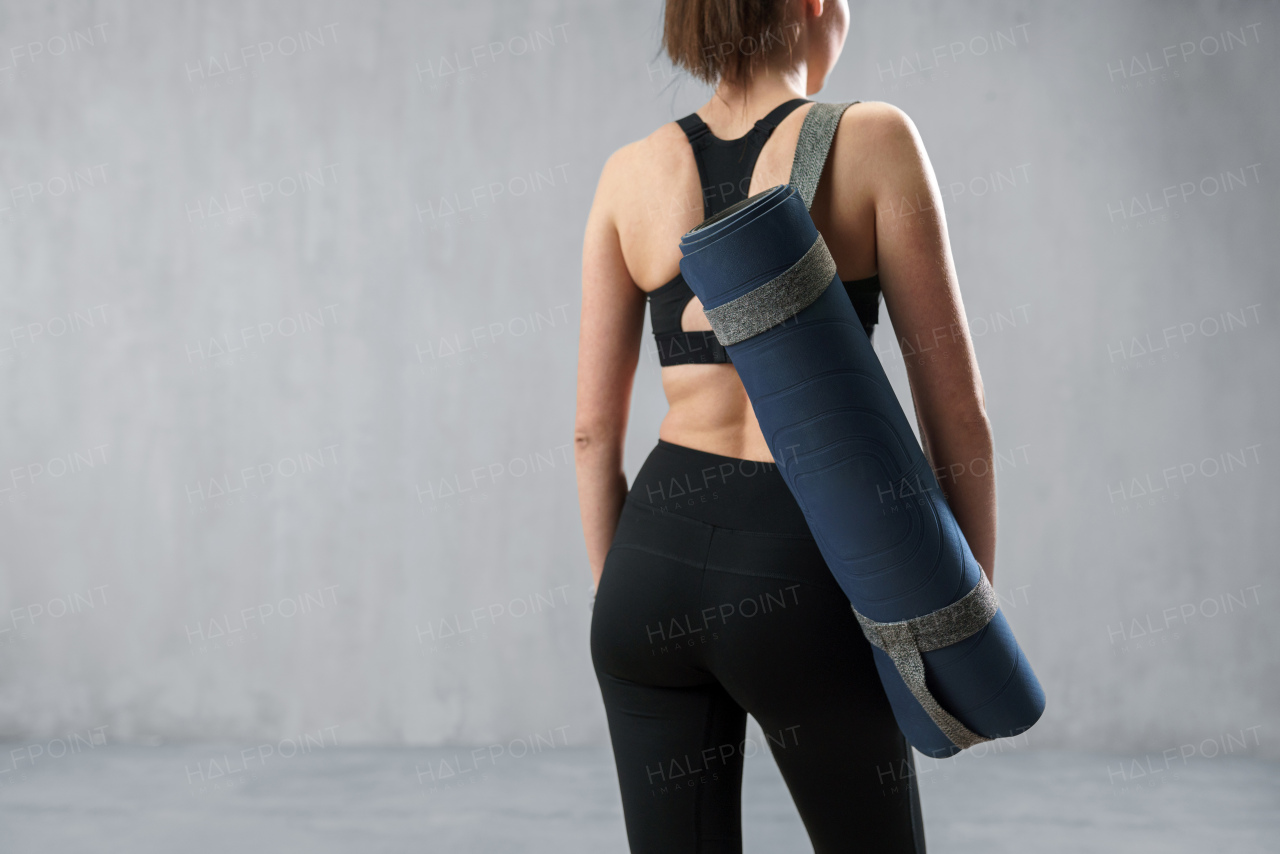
pixel 716 602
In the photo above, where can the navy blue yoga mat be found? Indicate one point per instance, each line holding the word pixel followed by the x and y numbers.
pixel 848 454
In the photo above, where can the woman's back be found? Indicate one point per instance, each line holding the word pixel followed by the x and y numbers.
pixel 659 193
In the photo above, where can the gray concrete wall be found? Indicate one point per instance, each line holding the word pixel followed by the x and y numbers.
pixel 288 331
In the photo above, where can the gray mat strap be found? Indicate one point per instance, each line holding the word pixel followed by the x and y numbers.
pixel 904 640
pixel 816 134
pixel 777 299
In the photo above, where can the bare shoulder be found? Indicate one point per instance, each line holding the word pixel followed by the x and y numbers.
pixel 649 191
pixel 876 158
pixel 635 168
pixel 877 117
pixel 882 140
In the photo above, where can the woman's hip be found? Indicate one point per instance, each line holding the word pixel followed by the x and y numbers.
pixel 678 591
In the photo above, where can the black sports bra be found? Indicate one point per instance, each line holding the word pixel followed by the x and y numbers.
pixel 724 168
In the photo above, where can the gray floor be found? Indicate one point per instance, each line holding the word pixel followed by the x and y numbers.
pixel 167 799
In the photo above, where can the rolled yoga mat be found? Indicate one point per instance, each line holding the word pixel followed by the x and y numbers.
pixel 952 670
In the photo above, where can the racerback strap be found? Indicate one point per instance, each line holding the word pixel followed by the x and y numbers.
pixel 725 165
pixel 816 135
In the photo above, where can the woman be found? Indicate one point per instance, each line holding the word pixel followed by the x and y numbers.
pixel 712 598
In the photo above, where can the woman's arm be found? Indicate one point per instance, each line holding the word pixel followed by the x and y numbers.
pixel 608 351
pixel 918 278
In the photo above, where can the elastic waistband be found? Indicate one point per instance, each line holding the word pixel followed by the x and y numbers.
pixel 728 492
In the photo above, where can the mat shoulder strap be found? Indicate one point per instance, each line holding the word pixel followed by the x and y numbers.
pixel 816 135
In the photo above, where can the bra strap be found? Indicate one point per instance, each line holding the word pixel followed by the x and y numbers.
pixel 816 136
pixel 769 123
pixel 693 126
pixel 725 167
pixel 695 129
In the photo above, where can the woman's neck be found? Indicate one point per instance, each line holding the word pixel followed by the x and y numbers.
pixel 735 107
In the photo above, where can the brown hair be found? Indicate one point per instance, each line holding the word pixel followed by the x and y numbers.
pixel 718 40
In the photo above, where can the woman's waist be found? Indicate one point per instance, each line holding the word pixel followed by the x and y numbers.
pixel 717 489
pixel 712 413
pixel 707 397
